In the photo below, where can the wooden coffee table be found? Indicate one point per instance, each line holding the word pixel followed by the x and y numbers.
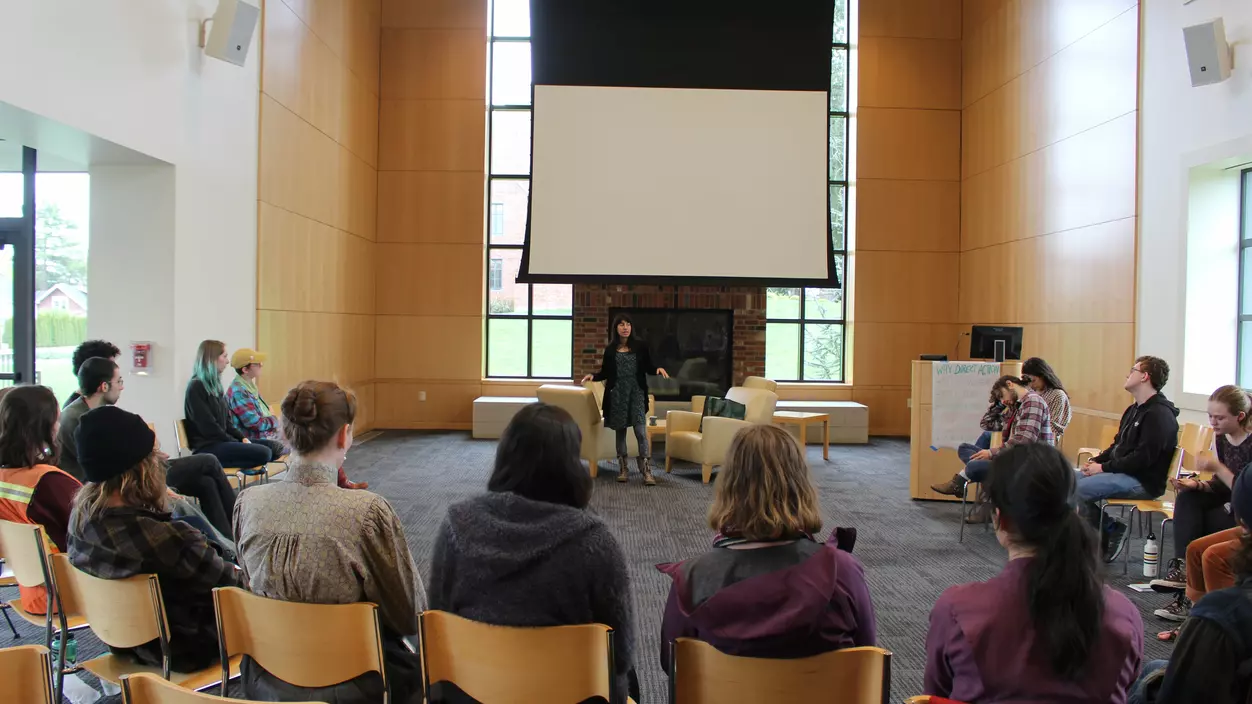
pixel 803 420
pixel 658 429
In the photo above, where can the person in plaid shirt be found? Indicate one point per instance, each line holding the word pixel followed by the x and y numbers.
pixel 120 527
pixel 252 415
pixel 1030 423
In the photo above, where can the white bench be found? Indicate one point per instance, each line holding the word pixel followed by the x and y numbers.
pixel 849 420
pixel 492 413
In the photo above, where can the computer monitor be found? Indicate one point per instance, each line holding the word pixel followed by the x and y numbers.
pixel 983 338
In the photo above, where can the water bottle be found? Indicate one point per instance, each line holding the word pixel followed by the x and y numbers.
pixel 71 649
pixel 1151 556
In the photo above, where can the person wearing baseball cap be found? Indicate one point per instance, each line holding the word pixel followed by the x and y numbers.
pixel 1209 662
pixel 121 527
pixel 252 415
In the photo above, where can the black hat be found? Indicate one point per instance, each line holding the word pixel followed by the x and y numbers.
pixel 110 441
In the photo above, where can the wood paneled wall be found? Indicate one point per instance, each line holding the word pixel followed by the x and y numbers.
pixel 905 263
pixel 318 185
pixel 1048 169
pixel 431 204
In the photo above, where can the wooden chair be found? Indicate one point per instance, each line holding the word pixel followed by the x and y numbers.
pixel 307 645
pixel 124 613
pixel 1108 434
pixel 145 688
pixel 25 547
pixel 1144 507
pixel 26 674
pixel 701 674
pixel 237 476
pixel 997 440
pixel 506 665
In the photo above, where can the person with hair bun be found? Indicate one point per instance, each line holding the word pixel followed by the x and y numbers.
pixel 768 588
pixel 1205 532
pixel 1046 629
pixel 528 552
pixel 304 539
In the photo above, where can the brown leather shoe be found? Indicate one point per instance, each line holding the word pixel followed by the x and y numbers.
pixel 980 514
pixel 357 485
pixel 622 469
pixel 953 487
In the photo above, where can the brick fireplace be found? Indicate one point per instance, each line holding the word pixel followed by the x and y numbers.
pixel 591 319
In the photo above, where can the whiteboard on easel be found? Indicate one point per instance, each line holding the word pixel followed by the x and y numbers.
pixel 959 392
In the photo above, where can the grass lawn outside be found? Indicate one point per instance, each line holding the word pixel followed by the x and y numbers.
pixel 53 368
pixel 553 348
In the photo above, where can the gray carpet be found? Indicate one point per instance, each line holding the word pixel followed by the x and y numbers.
pixel 909 548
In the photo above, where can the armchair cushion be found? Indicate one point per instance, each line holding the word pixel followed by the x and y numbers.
pixel 760 403
pixel 722 408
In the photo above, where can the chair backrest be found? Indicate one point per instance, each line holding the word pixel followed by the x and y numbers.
pixel 578 401
pixel 760 382
pixel 147 688
pixel 307 645
pixel 180 432
pixel 760 403
pixel 597 391
pixel 701 673
pixel 1175 464
pixel 123 613
pixel 26 674
pixel 502 663
pixel 24 546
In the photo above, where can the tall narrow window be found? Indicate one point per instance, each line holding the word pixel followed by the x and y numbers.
pixel 804 327
pixel 1245 279
pixel 530 328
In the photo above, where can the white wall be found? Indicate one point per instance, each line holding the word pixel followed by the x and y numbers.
pixel 1180 128
pixel 130 71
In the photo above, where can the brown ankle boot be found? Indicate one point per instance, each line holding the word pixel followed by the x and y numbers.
pixel 622 469
pixel 953 487
pixel 644 465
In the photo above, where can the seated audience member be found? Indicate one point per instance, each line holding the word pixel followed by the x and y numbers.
pixel 84 352
pixel 304 539
pixel 1136 464
pixel 252 415
pixel 121 528
pixel 209 428
pixel 1209 664
pixel 1200 512
pixel 199 476
pixel 1030 424
pixel 997 419
pixel 1038 375
pixel 767 589
pixel 527 552
pixel 32 489
pixel 1045 629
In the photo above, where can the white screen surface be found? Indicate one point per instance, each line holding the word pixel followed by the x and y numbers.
pixel 678 182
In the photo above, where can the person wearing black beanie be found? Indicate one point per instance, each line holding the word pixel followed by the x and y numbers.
pixel 120 527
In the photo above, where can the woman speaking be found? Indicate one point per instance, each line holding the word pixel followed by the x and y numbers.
pixel 624 372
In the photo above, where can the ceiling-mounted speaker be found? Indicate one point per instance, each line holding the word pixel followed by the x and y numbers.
pixel 229 31
pixel 1208 54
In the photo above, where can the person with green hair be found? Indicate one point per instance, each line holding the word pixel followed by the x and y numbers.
pixel 208 420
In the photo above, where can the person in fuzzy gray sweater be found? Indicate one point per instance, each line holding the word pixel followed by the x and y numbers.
pixel 527 553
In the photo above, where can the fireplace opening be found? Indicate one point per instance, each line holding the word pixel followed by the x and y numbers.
pixel 695 346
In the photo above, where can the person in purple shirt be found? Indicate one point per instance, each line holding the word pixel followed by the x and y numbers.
pixel 767 588
pixel 1046 629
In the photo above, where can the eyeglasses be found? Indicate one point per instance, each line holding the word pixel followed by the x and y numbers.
pixel 1137 369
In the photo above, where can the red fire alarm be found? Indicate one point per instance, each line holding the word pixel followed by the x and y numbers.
pixel 141 356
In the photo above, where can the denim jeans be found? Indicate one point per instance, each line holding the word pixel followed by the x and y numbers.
pixel 1105 485
pixel 241 455
pixel 975 470
pixel 1144 690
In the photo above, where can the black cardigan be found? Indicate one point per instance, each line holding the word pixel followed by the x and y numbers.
pixel 208 418
pixel 608 370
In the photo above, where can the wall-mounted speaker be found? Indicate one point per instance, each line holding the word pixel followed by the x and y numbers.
pixel 229 31
pixel 1208 54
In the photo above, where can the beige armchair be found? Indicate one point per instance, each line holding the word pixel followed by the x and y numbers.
pixel 760 382
pixel 582 404
pixel 685 441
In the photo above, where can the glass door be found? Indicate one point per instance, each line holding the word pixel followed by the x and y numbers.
pixel 17 264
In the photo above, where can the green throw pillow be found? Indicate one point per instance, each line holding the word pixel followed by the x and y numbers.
pixel 722 408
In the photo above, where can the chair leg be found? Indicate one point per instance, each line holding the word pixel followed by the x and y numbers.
pixel 593 464
pixel 1126 550
pixel 964 492
pixel 9 621
pixel 706 473
pixel 669 468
